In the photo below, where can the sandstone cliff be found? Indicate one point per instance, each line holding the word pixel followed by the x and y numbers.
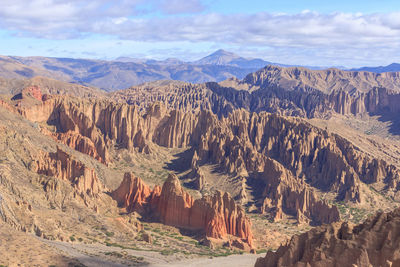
pixel 283 192
pixel 61 165
pixel 218 215
pixel 132 193
pixel 240 143
pixel 372 243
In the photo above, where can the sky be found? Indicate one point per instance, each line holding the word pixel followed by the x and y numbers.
pixel 348 33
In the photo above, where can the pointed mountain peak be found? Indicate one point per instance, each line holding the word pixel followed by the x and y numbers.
pixel 219 57
pixel 222 52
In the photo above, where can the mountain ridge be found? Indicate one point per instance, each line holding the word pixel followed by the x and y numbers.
pixel 125 72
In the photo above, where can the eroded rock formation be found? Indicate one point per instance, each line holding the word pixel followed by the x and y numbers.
pixel 293 91
pixel 372 243
pixel 218 215
pixel 285 192
pixel 132 193
pixel 63 166
pixel 241 143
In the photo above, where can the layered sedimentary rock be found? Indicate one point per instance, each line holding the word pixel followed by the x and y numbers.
pixel 74 126
pixel 313 93
pixel 218 215
pixel 63 166
pixel 82 144
pixel 241 142
pixel 327 81
pixel 372 243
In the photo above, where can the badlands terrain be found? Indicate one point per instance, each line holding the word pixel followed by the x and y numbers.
pixel 293 166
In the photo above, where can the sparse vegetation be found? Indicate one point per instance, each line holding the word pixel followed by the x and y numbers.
pixel 109 234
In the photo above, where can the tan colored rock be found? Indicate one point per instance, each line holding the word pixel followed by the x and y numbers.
pixel 240 143
pixel 65 167
pixel 198 178
pixel 283 192
pixel 82 144
pixel 372 243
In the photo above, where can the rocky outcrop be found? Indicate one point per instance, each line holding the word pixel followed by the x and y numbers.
pixel 218 215
pixel 372 243
pixel 221 215
pixel 326 81
pixel 132 194
pixel 293 91
pixel 74 126
pixel 82 144
pixel 283 192
pixel 199 179
pixel 377 100
pixel 240 143
pixel 63 166
pixel 33 91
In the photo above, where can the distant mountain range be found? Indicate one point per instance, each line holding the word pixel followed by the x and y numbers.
pixel 218 58
pixel 125 72
pixel 394 67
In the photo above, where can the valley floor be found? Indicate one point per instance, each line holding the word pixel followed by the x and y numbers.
pixel 98 255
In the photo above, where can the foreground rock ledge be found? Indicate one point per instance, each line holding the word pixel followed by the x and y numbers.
pixel 376 242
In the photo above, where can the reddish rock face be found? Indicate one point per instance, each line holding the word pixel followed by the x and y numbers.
pixel 174 205
pixel 218 216
pixel 222 216
pixel 33 91
pixel 132 194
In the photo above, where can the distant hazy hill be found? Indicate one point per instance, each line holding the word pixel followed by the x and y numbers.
pixel 394 67
pixel 125 72
pixel 225 58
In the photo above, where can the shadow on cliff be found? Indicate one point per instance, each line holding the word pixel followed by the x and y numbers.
pixel 255 189
pixel 182 161
pixel 391 117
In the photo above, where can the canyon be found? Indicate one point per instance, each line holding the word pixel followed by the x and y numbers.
pixel 207 169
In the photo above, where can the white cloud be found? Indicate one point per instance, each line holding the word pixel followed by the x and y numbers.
pixel 181 6
pixel 328 35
